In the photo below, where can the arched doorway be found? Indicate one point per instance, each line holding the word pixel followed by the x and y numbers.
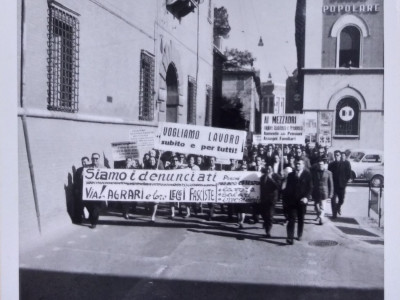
pixel 172 94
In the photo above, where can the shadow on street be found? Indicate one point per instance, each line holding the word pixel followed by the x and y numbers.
pixel 59 285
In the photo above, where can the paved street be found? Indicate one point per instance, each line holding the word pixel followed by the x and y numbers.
pixel 196 259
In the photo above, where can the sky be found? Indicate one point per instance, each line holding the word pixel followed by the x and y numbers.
pixel 273 20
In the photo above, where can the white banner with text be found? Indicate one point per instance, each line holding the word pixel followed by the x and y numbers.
pixel 200 140
pixel 282 129
pixel 182 185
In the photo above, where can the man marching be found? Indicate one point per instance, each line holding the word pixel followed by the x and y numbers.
pixel 298 192
pixel 322 189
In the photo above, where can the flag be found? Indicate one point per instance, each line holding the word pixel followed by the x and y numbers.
pixel 106 162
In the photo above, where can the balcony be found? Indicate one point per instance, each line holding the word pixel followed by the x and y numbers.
pixel 181 8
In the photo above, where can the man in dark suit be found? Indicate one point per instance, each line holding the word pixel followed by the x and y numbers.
pixel 322 189
pixel 78 214
pixel 298 192
pixel 270 184
pixel 211 167
pixel 94 207
pixel 341 173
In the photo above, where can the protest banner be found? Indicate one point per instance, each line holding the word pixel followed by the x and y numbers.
pixel 256 139
pixel 200 140
pixel 122 150
pixel 143 137
pixel 182 185
pixel 282 129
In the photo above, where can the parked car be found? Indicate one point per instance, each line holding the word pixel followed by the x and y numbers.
pixel 362 159
pixel 374 175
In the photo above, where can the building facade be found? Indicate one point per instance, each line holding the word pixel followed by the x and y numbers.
pixel 273 98
pixel 90 72
pixel 343 71
pixel 242 85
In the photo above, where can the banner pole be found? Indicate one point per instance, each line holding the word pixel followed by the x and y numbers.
pixel 159 158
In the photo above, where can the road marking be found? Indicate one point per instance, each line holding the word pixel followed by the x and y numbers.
pixel 56 249
pixel 71 242
pixel 83 236
pixel 40 256
pixel 311 262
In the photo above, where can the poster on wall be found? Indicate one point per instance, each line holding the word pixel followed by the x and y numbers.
pixel 310 127
pixel 325 128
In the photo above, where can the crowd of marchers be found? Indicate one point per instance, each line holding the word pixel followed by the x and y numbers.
pixel 294 174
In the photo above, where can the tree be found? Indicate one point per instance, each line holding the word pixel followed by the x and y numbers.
pixel 231 113
pixel 221 22
pixel 239 58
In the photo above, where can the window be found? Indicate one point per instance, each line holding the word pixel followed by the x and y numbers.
pixel 372 158
pixel 63 60
pixel 208 105
pixel 347 117
pixel 146 95
pixel 192 89
pixel 240 84
pixel 349 49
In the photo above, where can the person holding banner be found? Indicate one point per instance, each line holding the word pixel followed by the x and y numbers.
pixel 152 165
pixel 298 192
pixel 256 206
pixel 127 206
pixel 200 163
pixel 78 214
pixel 211 167
pixel 270 184
pixel 174 165
pixel 94 206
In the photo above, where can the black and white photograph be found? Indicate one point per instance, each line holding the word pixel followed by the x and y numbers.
pixel 200 149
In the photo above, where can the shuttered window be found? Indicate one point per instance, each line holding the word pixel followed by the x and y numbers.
pixel 63 59
pixel 146 90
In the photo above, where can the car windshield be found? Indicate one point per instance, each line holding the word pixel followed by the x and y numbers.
pixel 357 156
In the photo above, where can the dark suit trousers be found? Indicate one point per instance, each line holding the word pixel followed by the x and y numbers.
pixel 267 213
pixel 94 211
pixel 211 207
pixel 295 211
pixel 337 200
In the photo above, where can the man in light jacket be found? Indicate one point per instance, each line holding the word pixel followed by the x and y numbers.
pixel 322 189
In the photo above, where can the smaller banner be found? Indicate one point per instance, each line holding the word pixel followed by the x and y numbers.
pixel 182 185
pixel 282 129
pixel 143 137
pixel 256 139
pixel 201 140
pixel 122 150
pixel 325 128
